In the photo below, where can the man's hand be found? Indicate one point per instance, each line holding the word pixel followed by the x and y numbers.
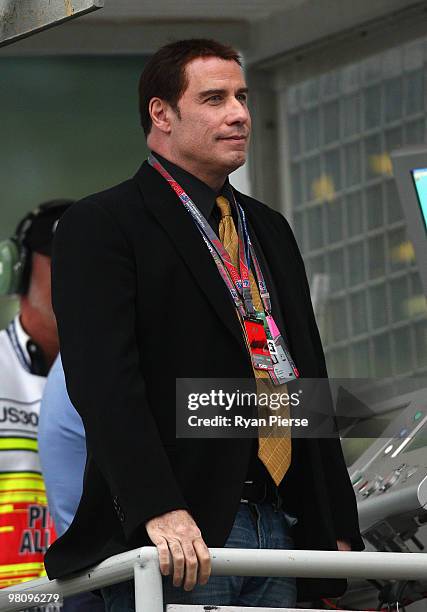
pixel 177 532
pixel 343 545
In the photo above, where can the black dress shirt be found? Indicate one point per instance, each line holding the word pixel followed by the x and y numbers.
pixel 204 198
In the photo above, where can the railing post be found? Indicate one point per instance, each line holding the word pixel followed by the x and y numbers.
pixel 148 584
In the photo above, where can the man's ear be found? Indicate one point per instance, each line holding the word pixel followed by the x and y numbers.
pixel 160 114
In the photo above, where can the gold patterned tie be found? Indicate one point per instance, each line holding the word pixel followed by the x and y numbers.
pixel 275 448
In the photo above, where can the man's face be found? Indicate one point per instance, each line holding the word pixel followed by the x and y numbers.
pixel 211 131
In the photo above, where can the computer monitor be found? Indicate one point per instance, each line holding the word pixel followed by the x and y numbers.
pixel 419 176
pixel 410 172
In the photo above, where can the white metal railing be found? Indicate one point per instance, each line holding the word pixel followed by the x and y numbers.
pixel 142 564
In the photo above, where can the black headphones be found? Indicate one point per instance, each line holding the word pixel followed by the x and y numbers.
pixel 15 256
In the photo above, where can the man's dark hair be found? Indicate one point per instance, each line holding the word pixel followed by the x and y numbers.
pixel 164 75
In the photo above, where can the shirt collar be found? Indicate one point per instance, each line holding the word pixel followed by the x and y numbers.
pixel 28 352
pixel 202 195
pixel 22 337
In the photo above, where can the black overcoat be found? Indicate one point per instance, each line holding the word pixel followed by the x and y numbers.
pixel 139 303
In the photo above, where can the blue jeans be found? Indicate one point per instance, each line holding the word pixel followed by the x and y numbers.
pixel 256 526
pixel 84 602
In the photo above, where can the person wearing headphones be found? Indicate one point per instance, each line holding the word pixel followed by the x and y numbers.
pixel 28 347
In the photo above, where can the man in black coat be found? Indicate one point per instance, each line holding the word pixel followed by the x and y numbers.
pixel 156 308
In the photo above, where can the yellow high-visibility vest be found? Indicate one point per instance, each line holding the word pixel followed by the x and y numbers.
pixel 26 528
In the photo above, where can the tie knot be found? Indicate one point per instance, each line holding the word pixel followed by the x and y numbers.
pixel 224 206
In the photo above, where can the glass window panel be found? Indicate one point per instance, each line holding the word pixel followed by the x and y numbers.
pixel 329 83
pixel 48 106
pixel 393 98
pixel 382 356
pixel 392 203
pixel 416 287
pixel 315 265
pixel 356 263
pixel 315 227
pixel 399 249
pixel 311 129
pixel 371 68
pixel 294 135
pixel 312 177
pixel 353 172
pixel 350 77
pixel 296 179
pixel 350 106
pixel 338 320
pixel 393 139
pixel 414 92
pixel 399 299
pixel 376 256
pixel 336 270
pixel 61 119
pixel 374 207
pixel 310 91
pixel 299 230
pixel 374 163
pixel 333 168
pixel 402 350
pixel 421 343
pixel 361 359
pixel 334 215
pixel 359 312
pixel 415 132
pixel 331 125
pixel 418 304
pixel 372 98
pixel 294 98
pixel 354 207
pixel 339 363
pixel 378 306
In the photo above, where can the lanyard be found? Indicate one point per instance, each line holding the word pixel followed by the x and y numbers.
pixel 250 252
pixel 236 280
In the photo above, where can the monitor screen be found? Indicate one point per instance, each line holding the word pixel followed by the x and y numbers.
pixel 419 177
pixel 410 172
